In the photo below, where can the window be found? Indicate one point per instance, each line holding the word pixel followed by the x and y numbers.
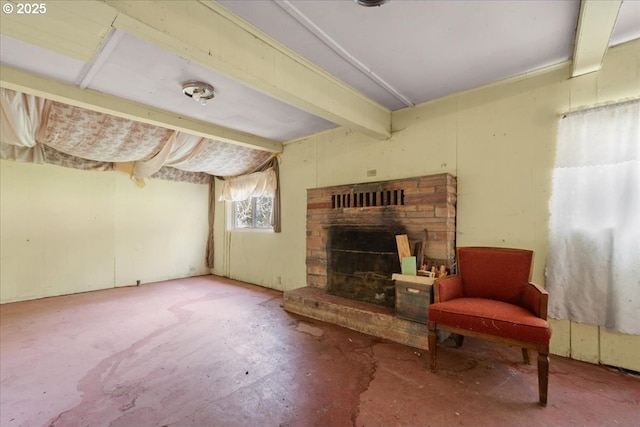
pixel 255 200
pixel 593 263
pixel 255 212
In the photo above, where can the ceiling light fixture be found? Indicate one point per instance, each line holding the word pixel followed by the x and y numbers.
pixel 371 3
pixel 199 91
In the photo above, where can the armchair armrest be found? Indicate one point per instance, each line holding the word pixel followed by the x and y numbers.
pixel 447 288
pixel 535 299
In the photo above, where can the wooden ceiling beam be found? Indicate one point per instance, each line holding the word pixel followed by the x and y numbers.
pixel 72 28
pixel 21 81
pixel 595 26
pixel 206 33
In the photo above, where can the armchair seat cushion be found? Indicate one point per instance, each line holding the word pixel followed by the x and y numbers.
pixel 491 317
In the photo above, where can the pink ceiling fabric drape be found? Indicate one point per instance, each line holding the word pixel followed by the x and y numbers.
pixel 222 159
pixel 179 148
pixel 101 137
pixel 191 153
pixel 30 123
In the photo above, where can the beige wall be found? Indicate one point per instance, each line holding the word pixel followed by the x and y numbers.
pixel 499 140
pixel 65 230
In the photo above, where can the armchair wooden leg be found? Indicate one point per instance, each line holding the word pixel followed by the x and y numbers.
pixel 432 347
pixel 543 376
pixel 525 356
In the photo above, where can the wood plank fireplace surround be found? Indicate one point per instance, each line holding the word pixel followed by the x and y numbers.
pixel 351 251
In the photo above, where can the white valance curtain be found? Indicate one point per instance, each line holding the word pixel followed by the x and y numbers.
pixel 264 182
pixel 593 264
pixel 258 184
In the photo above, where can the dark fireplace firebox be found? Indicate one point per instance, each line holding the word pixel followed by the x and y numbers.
pixel 360 262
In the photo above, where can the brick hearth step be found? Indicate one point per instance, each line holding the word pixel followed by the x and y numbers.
pixel 358 316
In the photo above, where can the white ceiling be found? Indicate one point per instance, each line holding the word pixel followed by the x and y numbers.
pixel 136 70
pixel 421 49
pixel 400 54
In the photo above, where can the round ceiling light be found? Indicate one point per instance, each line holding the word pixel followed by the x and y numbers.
pixel 371 3
pixel 199 91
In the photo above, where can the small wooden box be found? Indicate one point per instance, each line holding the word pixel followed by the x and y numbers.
pixel 413 296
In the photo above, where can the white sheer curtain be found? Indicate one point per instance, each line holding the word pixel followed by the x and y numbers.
pixel 593 265
pixel 22 119
pixel 181 147
pixel 258 184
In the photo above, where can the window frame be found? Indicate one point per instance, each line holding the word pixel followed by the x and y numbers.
pixel 232 225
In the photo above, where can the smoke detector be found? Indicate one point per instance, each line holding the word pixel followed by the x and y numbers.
pixel 371 3
pixel 198 91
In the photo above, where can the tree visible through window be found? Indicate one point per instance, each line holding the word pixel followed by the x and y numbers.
pixel 255 212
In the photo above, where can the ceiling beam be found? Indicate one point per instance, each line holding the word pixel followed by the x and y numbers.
pixel 21 81
pixel 595 26
pixel 72 28
pixel 208 34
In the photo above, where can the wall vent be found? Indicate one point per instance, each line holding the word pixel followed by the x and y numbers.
pixel 367 199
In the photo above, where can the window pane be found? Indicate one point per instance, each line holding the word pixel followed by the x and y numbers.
pixel 253 213
pixel 242 214
pixel 264 206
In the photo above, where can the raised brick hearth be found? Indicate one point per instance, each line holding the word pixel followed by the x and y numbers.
pixel 423 207
pixel 359 316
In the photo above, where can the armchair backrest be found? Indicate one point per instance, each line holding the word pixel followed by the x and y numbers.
pixel 494 273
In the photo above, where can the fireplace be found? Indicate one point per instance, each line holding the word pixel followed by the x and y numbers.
pixel 424 208
pixel 360 262
pixel 344 224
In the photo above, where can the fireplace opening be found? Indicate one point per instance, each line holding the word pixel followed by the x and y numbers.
pixel 360 263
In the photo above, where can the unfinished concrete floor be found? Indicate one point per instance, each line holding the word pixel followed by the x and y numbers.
pixel 208 351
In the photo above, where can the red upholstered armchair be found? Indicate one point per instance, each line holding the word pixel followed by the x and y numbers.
pixel 492 298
